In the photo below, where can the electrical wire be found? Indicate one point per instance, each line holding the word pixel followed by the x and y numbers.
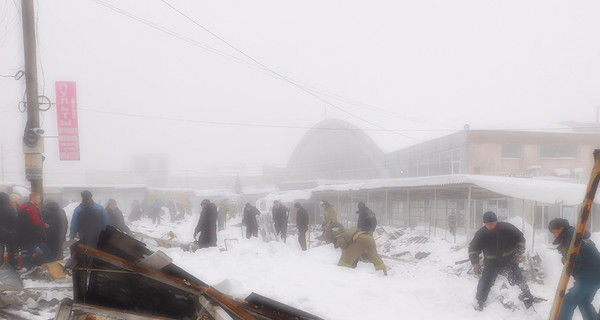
pixel 180 36
pixel 143 116
pixel 260 69
pixel 17 75
pixel 285 78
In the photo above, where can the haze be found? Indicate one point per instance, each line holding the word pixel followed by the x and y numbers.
pixel 151 79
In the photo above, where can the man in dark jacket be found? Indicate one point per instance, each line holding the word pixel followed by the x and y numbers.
pixel 222 212
pixel 115 216
pixel 89 219
pixel 366 219
pixel 136 211
pixel 207 225
pixel 301 224
pixel 280 219
pixel 56 234
pixel 502 245
pixel 8 223
pixel 31 230
pixel 250 213
pixel 586 271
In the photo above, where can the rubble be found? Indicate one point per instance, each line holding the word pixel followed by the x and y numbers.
pixel 114 277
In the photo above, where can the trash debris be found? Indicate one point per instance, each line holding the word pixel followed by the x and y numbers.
pixel 113 277
pixel 56 269
pixel 9 279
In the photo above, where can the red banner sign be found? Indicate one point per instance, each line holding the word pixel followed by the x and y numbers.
pixel 68 128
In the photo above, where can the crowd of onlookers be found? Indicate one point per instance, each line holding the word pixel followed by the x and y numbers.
pixel 33 232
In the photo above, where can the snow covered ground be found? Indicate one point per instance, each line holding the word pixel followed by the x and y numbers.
pixel 433 287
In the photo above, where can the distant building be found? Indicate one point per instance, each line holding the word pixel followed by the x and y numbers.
pixel 336 150
pixel 423 184
pixel 504 153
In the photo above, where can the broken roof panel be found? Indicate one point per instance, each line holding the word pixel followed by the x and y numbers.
pixel 112 276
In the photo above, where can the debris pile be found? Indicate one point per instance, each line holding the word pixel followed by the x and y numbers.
pixel 122 275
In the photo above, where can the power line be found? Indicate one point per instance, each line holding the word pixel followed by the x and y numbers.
pixel 281 76
pixel 263 69
pixel 16 76
pixel 179 36
pixel 241 124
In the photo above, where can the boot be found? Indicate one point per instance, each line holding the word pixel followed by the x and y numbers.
pixel 479 306
pixel 527 299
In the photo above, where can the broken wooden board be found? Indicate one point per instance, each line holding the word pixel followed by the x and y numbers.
pixel 56 269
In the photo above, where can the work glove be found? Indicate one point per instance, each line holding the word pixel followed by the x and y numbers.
pixel 519 255
pixel 477 269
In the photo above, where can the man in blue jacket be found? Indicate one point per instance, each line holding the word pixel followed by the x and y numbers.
pixel 89 219
pixel 586 271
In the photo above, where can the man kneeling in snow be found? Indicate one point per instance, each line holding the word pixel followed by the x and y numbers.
pixel 354 245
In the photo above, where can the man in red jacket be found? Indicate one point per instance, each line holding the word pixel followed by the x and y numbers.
pixel 31 230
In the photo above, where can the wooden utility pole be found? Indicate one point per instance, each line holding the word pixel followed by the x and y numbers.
pixel 33 152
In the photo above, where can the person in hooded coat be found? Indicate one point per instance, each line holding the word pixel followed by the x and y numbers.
pixel 8 223
pixel 301 224
pixel 207 225
pixel 56 234
pixel 280 219
pixel 366 218
pixel 115 216
pixel 586 271
pixel 249 219
pixel 136 211
pixel 222 212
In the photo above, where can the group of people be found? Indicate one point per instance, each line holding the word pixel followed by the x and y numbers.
pixel 25 228
pixel 33 228
pixel 356 244
pixel 177 210
pixel 503 245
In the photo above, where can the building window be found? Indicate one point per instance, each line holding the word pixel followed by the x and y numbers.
pixel 559 152
pixel 512 151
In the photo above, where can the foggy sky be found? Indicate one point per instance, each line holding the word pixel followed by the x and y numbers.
pixel 419 69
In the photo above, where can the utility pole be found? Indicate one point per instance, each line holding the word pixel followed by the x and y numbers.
pixel 2 158
pixel 33 143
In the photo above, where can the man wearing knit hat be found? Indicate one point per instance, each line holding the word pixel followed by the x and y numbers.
pixel 502 245
pixel 585 271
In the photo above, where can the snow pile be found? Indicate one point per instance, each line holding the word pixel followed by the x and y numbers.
pixel 417 287
pixel 424 282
